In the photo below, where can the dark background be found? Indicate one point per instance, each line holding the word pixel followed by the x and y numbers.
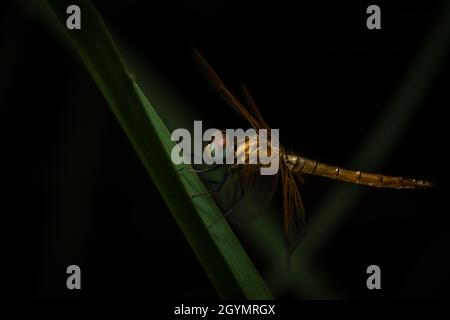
pixel 74 191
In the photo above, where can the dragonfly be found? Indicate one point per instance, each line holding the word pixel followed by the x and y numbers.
pixel 293 166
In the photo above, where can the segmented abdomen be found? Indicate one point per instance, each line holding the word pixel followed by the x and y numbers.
pixel 302 165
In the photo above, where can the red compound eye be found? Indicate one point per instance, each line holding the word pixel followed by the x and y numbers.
pixel 220 141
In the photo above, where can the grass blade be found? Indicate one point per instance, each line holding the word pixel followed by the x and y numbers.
pixel 220 253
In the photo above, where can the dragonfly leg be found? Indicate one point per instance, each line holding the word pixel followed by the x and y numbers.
pixel 235 201
pixel 219 187
pixel 221 181
pixel 215 167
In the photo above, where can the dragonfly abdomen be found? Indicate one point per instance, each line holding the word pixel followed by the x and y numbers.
pixel 305 166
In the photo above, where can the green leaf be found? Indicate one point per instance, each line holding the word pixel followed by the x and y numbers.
pixel 219 251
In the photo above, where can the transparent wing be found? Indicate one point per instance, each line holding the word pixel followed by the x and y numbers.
pixel 257 195
pixel 293 210
pixel 253 108
pixel 226 94
pixel 247 176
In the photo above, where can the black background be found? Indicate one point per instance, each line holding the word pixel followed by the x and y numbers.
pixel 76 193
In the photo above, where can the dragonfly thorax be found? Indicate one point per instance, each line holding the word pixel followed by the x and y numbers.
pixel 293 161
pixel 248 149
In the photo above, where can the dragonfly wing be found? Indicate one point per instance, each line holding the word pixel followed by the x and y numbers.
pixel 226 94
pixel 293 210
pixel 248 193
pixel 253 108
